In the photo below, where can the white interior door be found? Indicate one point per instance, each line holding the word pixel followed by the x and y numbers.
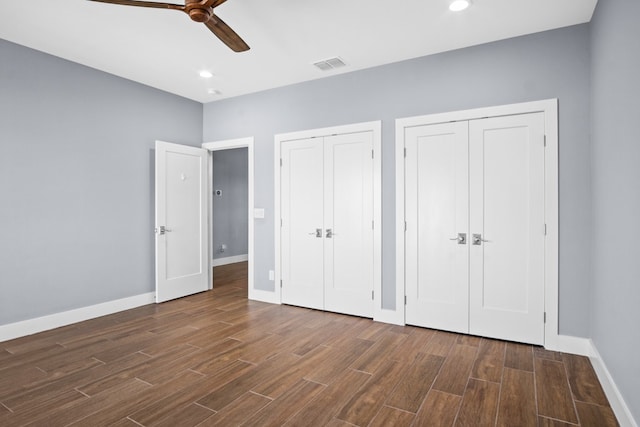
pixel 507 213
pixel 348 223
pixel 302 231
pixel 181 221
pixel 437 209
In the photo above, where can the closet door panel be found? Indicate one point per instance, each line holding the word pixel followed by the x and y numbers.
pixel 436 185
pixel 302 223
pixel 507 215
pixel 348 207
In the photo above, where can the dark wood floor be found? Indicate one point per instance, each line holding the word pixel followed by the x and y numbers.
pixel 218 359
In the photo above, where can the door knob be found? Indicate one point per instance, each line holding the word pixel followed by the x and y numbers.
pixel 461 238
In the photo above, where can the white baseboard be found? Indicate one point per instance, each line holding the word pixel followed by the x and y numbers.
pixel 586 347
pixel 263 296
pixel 389 316
pixel 229 260
pixel 52 321
pixel 570 344
pixel 619 406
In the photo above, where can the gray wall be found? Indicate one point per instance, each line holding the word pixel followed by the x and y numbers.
pixel 76 166
pixel 230 174
pixel 552 64
pixel 615 297
pixel 76 182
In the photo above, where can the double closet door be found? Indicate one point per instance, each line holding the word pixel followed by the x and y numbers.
pixel 475 239
pixel 327 223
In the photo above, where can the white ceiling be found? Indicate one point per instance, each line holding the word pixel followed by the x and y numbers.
pixel 165 49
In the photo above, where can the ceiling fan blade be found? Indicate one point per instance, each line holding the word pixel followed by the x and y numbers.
pixel 226 34
pixel 144 4
pixel 213 3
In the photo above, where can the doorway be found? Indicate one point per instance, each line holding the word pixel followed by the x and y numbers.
pixel 229 205
pixel 228 200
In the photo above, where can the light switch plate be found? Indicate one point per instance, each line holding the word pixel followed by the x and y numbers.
pixel 258 212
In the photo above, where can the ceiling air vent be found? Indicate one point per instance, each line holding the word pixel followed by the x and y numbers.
pixel 330 64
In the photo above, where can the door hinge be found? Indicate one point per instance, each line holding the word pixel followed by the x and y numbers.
pixel 372 295
pixel 545 229
pixel 405 226
pixel 373 225
pixel 280 282
pixel 545 317
pixel 544 139
pixel 405 152
pixel 405 300
pixel 280 162
pixel 372 154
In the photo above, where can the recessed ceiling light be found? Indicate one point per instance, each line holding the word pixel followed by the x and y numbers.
pixel 206 74
pixel 212 91
pixel 458 5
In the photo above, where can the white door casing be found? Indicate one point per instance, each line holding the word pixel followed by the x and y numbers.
pixel 437 210
pixel 507 211
pixel 248 143
pixel 181 174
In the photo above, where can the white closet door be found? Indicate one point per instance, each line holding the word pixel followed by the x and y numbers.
pixel 437 264
pixel 507 212
pixel 302 223
pixel 348 218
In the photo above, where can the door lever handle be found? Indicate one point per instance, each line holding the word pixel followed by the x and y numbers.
pixel 317 233
pixel 330 233
pixel 164 230
pixel 461 238
pixel 477 239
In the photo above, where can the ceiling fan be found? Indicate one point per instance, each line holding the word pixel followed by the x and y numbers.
pixel 199 11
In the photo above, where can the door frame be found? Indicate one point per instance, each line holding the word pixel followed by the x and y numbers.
pixel 376 128
pixel 230 144
pixel 550 109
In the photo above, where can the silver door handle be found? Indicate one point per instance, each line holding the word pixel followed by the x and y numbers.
pixel 317 233
pixel 164 230
pixel 330 233
pixel 477 239
pixel 461 238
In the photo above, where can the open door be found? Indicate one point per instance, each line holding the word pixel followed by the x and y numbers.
pixel 181 221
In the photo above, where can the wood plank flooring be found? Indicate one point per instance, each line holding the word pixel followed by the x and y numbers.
pixel 217 358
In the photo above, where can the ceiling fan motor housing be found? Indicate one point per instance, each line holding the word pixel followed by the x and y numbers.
pixel 197 12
